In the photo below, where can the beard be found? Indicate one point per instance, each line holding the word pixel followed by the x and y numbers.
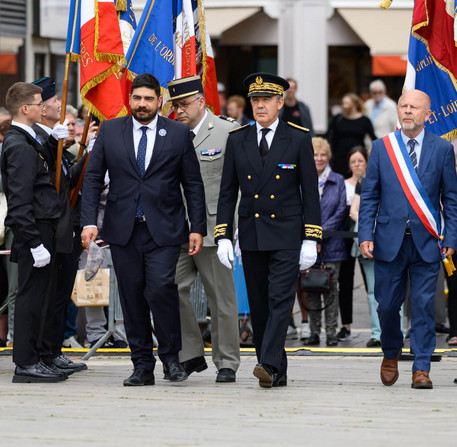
pixel 143 115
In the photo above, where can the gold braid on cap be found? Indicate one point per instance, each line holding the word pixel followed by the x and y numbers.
pixel 266 87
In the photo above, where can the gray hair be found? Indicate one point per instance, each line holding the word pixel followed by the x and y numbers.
pixel 377 83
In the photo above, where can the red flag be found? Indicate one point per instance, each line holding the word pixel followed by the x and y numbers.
pixel 101 52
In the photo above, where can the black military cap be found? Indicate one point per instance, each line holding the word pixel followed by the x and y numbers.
pixel 265 84
pixel 180 88
pixel 49 87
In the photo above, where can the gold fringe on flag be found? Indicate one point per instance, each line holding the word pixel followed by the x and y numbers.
pixel 385 4
pixel 121 5
pixel 449 265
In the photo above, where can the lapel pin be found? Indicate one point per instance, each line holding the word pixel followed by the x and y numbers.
pixel 162 132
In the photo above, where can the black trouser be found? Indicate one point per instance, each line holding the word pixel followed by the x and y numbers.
pixel 31 295
pixel 57 298
pixel 271 280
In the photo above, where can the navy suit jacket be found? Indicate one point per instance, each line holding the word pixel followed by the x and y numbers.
pixel 173 164
pixel 381 189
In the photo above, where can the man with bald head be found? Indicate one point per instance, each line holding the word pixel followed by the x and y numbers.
pixel 410 180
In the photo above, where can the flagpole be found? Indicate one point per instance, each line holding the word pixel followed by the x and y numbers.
pixel 77 188
pixel 82 143
pixel 63 112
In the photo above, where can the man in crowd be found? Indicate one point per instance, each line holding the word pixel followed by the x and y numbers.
pixel 64 265
pixel 209 135
pixel 148 158
pixel 272 163
pixel 235 109
pixel 381 110
pixel 33 212
pixel 410 175
pixel 296 111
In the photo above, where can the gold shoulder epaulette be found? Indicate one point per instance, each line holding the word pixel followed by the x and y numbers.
pixel 238 128
pixel 298 127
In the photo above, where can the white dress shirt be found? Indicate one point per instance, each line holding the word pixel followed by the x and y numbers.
pixel 270 135
pixel 151 134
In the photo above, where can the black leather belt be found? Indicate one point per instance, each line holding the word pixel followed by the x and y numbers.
pixel 140 219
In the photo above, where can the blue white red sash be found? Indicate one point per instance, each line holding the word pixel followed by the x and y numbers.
pixel 413 189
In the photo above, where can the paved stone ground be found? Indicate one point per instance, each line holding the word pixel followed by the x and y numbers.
pixel 334 398
pixel 330 401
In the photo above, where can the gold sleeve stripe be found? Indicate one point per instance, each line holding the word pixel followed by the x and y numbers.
pixel 313 231
pixel 221 226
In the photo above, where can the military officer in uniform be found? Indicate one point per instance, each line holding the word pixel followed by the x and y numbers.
pixel 209 137
pixel 272 163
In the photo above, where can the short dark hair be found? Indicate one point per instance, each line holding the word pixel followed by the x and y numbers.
pixel 146 80
pixel 19 94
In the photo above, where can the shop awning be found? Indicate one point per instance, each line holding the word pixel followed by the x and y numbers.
pixel 385 32
pixel 388 65
pixel 219 20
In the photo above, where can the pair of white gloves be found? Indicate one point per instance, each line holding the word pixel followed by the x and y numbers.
pixel 308 252
pixel 60 132
pixel 40 254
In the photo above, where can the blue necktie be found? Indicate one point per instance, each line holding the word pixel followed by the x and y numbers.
pixel 141 160
pixel 412 153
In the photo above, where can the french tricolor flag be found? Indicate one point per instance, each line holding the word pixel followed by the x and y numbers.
pixel 94 38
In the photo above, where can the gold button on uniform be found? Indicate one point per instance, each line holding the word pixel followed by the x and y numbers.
pixel 210 158
pixel 249 177
pixel 256 215
pixel 256 196
pixel 272 216
pixel 272 197
pixel 278 177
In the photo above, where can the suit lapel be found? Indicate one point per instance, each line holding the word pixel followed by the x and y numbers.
pixel 428 149
pixel 251 148
pixel 128 142
pixel 278 146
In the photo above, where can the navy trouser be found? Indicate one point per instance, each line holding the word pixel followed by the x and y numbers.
pixel 390 290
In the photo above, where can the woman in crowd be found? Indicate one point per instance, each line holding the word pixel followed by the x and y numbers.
pixel 332 251
pixel 357 161
pixel 347 130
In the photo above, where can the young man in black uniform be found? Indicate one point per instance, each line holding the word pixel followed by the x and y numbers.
pixel 272 163
pixel 33 211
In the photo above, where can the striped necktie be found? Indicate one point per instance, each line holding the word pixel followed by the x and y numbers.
pixel 412 153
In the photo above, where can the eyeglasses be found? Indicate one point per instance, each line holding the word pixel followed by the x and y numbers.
pixel 183 105
pixel 41 104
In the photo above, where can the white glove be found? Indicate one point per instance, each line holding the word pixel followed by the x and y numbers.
pixel 60 131
pixel 237 243
pixel 225 252
pixel 91 143
pixel 41 256
pixel 308 254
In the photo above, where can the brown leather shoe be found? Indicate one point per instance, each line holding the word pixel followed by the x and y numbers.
pixel 389 370
pixel 421 381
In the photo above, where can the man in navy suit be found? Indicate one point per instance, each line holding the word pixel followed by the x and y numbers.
pixel 391 231
pixel 148 158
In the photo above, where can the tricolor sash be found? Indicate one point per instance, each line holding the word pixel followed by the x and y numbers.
pixel 415 192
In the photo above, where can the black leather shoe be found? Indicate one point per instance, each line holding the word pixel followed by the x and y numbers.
pixel 174 371
pixel 65 363
pixel 373 343
pixel 441 328
pixel 279 380
pixel 265 374
pixel 140 377
pixel 53 368
pixel 37 373
pixel 197 364
pixel 225 375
